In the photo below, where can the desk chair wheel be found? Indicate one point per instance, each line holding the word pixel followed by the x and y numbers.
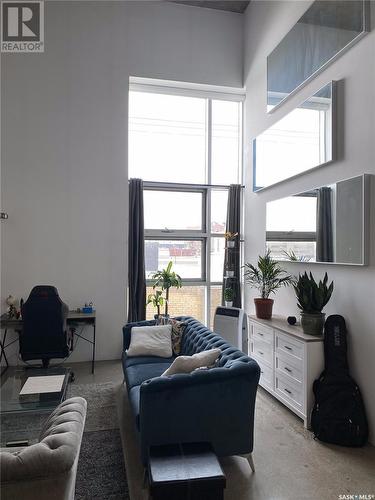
pixel 72 377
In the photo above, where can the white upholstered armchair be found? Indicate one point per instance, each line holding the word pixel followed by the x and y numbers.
pixel 47 469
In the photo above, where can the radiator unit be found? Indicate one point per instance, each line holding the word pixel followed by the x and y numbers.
pixel 231 324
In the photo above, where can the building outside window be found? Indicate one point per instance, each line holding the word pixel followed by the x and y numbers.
pixel 187 150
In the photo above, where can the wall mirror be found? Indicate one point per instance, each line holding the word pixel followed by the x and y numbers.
pixel 321 35
pixel 302 140
pixel 327 224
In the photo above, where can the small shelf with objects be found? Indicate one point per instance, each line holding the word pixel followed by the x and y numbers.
pixel 230 280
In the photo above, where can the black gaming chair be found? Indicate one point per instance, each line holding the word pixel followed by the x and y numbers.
pixel 44 334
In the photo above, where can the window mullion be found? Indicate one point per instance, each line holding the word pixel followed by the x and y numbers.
pixel 174 234
pixel 208 210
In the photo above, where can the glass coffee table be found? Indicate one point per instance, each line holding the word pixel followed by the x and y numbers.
pixel 12 402
pixel 22 416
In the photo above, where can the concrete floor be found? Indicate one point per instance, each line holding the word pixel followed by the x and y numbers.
pixel 290 464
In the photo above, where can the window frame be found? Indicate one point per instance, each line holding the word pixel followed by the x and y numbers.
pixel 167 237
pixel 148 186
pixel 206 234
pixel 285 236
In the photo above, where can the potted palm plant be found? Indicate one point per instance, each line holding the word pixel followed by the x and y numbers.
pixel 228 297
pixel 166 279
pixel 157 300
pixel 311 299
pixel 267 277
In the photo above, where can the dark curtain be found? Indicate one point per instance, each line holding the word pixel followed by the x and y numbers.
pixel 232 256
pixel 136 253
pixel 324 236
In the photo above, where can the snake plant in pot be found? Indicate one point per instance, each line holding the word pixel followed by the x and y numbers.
pixel 267 277
pixel 311 299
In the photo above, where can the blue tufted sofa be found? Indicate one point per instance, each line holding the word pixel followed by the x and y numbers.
pixel 214 406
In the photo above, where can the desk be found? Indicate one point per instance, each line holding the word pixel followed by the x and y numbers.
pixel 73 318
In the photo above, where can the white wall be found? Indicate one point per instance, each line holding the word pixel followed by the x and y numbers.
pixel 64 138
pixel 266 23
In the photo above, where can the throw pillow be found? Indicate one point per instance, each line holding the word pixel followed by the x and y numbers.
pixel 178 328
pixel 187 364
pixel 151 341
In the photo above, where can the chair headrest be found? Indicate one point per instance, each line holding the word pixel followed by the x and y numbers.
pixel 44 291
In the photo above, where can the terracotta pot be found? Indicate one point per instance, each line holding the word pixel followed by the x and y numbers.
pixel 263 308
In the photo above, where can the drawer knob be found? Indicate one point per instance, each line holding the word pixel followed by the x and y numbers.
pixel 287 347
pixel 261 334
pixel 288 391
pixel 287 369
pixel 261 353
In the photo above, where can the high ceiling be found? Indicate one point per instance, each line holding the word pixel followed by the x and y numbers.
pixel 230 5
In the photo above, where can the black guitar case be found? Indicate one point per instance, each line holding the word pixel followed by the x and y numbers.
pixel 338 415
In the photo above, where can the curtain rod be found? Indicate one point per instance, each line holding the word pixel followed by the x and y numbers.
pixel 183 184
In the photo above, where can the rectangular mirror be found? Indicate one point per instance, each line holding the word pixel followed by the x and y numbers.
pixel 302 140
pixel 327 224
pixel 321 35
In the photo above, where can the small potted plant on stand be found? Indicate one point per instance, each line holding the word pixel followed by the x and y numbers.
pixel 166 279
pixel 267 277
pixel 230 238
pixel 229 273
pixel 311 298
pixel 228 297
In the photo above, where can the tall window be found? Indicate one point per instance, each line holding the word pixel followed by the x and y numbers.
pixel 187 149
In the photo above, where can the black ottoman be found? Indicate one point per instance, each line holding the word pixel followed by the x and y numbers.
pixel 185 472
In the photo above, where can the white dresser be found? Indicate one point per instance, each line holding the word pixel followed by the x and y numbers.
pixel 289 360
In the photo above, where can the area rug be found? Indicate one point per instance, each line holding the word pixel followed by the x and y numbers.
pixel 101 469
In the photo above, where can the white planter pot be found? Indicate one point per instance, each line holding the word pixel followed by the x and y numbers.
pixel 231 244
pixel 230 274
pixel 228 304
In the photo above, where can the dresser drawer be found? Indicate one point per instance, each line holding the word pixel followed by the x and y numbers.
pixel 266 375
pixel 287 366
pixel 289 391
pixel 263 333
pixel 287 345
pixel 263 351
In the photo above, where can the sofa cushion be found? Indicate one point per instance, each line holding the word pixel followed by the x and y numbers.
pixel 178 328
pixel 134 399
pixel 144 360
pixel 137 374
pixel 151 341
pixel 186 364
pixel 126 331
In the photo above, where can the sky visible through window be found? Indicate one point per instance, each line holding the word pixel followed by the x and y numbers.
pixel 167 143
